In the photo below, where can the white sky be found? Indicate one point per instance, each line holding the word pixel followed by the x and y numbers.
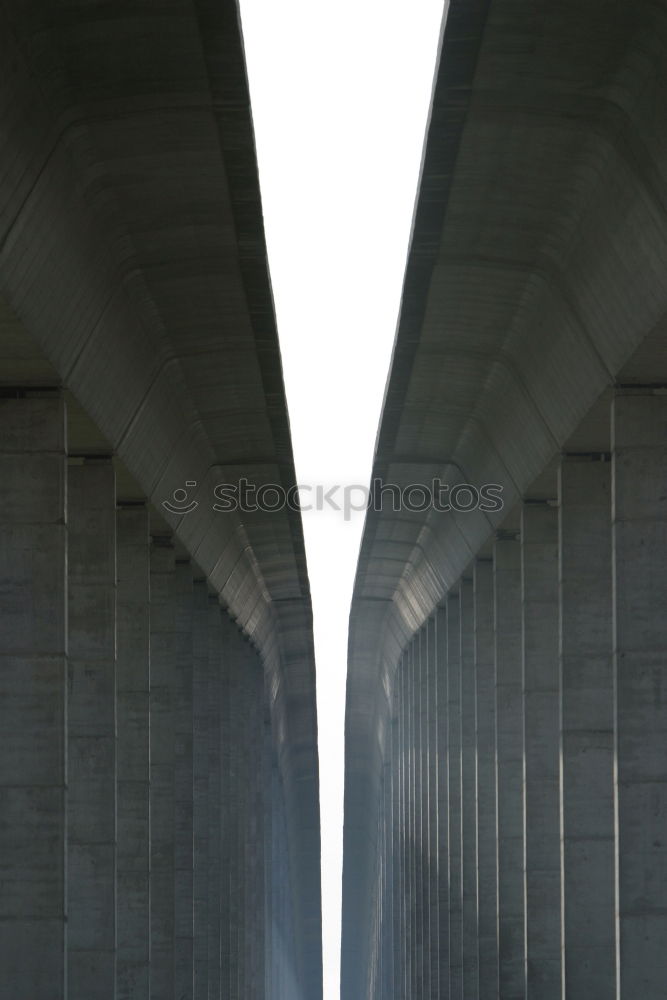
pixel 340 95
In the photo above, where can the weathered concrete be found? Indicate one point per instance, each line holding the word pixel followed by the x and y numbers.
pixel 433 766
pixel 410 889
pixel 91 732
pixel 640 641
pixel 33 705
pixel 133 753
pixel 270 822
pixel 184 785
pixel 487 859
pixel 441 628
pixel 215 882
pixel 235 824
pixel 200 789
pixel 587 729
pixel 509 758
pixel 162 703
pixel 396 849
pixel 469 794
pixel 421 822
pixel 229 709
pixel 402 933
pixel 541 793
pixel 454 854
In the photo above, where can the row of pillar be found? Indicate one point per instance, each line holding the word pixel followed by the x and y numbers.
pixel 523 816
pixel 143 845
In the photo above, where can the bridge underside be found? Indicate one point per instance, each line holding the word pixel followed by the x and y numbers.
pixel 159 831
pixel 506 746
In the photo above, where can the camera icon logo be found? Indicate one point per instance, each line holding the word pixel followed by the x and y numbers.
pixel 178 503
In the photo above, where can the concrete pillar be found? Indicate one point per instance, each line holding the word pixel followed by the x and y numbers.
pixel 412 823
pixel 587 729
pixel 91 731
pixel 395 849
pixel 228 807
pixel 539 552
pixel 402 925
pixel 235 831
pixel 509 762
pixel 184 785
pixel 454 787
pixel 269 838
pixel 442 737
pixel 487 855
pixel 468 792
pixel 256 837
pixel 421 822
pixel 639 543
pixel 215 887
pixel 33 697
pixel 162 697
pixel 387 874
pixel 433 764
pixel 133 753
pixel 200 795
pixel 407 827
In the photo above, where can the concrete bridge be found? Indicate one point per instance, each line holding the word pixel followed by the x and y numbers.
pixel 506 730
pixel 159 823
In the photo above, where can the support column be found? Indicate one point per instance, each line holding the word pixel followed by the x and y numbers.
pixel 163 681
pixel 412 821
pixel 487 855
pixel 214 797
pixel 33 697
pixel 468 793
pixel 539 582
pixel 243 830
pixel 228 818
pixel 433 765
pixel 91 727
pixel 443 798
pixel 279 930
pixel 395 844
pixel 387 894
pixel 269 839
pixel 200 803
pixel 402 838
pixel 640 642
pixel 184 786
pixel 454 782
pixel 587 729
pixel 133 751
pixel 256 832
pixel 421 856
pixel 235 833
pixel 509 758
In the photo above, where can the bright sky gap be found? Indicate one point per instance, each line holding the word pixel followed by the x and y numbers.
pixel 340 96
